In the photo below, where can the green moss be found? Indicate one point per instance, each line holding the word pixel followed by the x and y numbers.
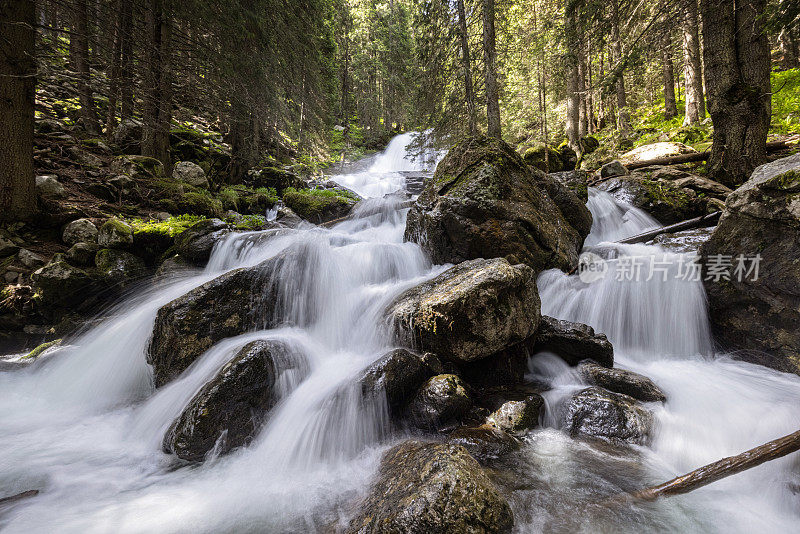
pixel 789 180
pixel 658 192
pixel 311 203
pixel 116 226
pixel 230 197
pixel 248 223
pixel 170 227
pixel 35 353
pixel 199 203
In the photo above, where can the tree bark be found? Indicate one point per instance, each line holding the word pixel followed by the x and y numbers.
pixel 490 59
pixel 623 121
pixel 737 59
pixel 573 96
pixel 693 73
pixel 126 61
pixel 80 27
pixel 583 120
pixel 157 112
pixel 668 74
pixel 467 66
pixel 788 55
pixel 17 94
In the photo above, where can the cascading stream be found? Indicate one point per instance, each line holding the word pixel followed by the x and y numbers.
pixel 85 426
pixel 716 406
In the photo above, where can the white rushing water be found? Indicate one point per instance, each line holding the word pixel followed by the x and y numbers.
pixel 716 406
pixel 85 426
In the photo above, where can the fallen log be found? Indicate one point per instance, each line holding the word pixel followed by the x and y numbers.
pixel 718 470
pixel 772 146
pixel 709 219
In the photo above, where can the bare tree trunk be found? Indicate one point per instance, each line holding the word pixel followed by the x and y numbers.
pixel 17 93
pixel 788 55
pixel 573 95
pixel 668 74
pixel 126 61
pixel 693 72
pixel 590 92
pixel 737 60
pixel 601 112
pixel 157 85
pixel 623 122
pixel 583 114
pixel 81 28
pixel 467 65
pixel 114 74
pixel 490 59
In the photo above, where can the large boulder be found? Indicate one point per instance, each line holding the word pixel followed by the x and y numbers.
pixel 485 442
pixel 597 413
pixel 279 179
pixel 441 401
pixel 397 375
pixel 190 173
pixel 517 416
pixel 469 312
pixel 59 284
pixel 576 181
pixel 621 381
pixel 228 411
pixel 430 487
pixel 569 204
pixel 319 206
pixel 662 149
pixel 117 268
pixel 80 231
pixel 535 157
pixel 572 342
pixel 760 313
pixel 196 242
pixel 484 202
pixel 226 306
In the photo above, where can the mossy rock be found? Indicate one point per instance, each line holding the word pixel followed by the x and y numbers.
pixel 36 352
pixel 535 157
pixel 318 206
pixel 199 204
pixel 118 268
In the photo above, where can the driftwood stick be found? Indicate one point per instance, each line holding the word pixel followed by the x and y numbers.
pixel 19 497
pixel 698 222
pixel 718 470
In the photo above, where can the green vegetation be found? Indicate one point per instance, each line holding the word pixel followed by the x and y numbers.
pixel 170 227
pixel 786 101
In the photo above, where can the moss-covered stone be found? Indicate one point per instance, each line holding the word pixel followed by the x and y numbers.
pixel 115 233
pixel 318 205
pixel 199 203
pixel 36 352
pixel 535 157
pixel 117 268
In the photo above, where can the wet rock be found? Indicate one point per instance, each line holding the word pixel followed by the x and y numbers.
pixel 704 185
pixel 230 409
pixel 30 259
pixel 80 231
pixel 685 241
pixel 288 218
pixel 485 443
pixel 484 201
pixel 576 181
pixel 613 168
pixel 506 367
pixel 61 285
pixel 429 487
pixel 82 254
pixel 441 401
pixel 656 150
pixel 663 199
pixel 398 374
pixel 622 381
pixel 226 306
pixel 597 413
pixel 759 315
pixel 172 264
pixel 517 416
pixel 573 342
pixel 196 242
pixel 572 208
pixel 470 311
pixel 115 234
pixel 118 268
pixel 48 186
pixel 190 173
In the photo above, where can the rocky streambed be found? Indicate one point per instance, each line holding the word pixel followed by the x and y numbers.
pixel 419 369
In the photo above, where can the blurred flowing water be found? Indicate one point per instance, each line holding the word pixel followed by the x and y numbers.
pixel 84 424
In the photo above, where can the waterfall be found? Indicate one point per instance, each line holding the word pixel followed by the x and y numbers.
pixel 85 425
